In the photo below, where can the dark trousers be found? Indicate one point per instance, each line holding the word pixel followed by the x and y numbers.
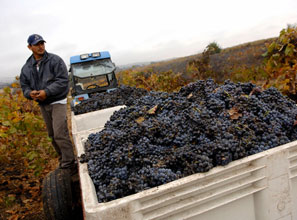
pixel 56 124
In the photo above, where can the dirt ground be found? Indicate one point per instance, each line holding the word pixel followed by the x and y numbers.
pixel 20 195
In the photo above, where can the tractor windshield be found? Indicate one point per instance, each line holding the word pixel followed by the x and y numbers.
pixel 93 68
pixel 93 76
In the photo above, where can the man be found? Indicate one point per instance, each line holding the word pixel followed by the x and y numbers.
pixel 44 79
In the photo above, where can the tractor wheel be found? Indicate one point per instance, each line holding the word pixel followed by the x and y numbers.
pixel 57 195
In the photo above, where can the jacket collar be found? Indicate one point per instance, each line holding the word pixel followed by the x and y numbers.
pixel 31 60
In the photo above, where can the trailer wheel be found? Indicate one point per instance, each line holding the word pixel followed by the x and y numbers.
pixel 57 195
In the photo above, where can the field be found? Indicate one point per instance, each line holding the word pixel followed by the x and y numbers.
pixel 26 155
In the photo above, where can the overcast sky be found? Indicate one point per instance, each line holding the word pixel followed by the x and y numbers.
pixel 135 30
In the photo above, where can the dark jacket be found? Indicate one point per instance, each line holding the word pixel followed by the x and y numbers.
pixel 52 78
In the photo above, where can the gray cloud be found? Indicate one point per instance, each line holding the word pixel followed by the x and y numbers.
pixel 133 33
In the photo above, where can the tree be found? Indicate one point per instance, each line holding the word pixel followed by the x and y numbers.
pixel 212 48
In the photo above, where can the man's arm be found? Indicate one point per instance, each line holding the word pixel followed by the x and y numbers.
pixel 60 83
pixel 25 85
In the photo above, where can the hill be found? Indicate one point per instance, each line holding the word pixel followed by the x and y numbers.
pixel 236 58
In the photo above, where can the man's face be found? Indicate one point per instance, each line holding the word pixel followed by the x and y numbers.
pixel 37 49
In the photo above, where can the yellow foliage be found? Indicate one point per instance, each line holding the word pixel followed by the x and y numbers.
pixel 281 62
pixel 22 130
pixel 151 81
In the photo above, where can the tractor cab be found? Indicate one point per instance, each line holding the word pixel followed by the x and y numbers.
pixel 91 73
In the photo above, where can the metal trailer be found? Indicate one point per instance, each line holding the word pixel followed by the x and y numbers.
pixel 259 187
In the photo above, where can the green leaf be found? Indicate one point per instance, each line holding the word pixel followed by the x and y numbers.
pixel 12 130
pixel 265 54
pixel 7 90
pixel 6 123
pixel 37 172
pixel 31 155
pixel 33 166
pixel 3 135
pixel 289 50
pixel 271 47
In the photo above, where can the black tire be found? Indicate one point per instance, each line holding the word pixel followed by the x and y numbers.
pixel 77 203
pixel 57 195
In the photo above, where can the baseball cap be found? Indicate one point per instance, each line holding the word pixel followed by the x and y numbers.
pixel 34 39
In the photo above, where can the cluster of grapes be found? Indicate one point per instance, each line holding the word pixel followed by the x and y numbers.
pixel 166 136
pixel 123 95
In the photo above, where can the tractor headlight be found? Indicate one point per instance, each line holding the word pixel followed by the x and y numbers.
pixel 96 54
pixel 84 56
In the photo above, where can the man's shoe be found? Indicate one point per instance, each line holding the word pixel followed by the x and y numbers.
pixel 73 171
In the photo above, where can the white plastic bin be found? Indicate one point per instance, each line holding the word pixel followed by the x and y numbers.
pixel 259 187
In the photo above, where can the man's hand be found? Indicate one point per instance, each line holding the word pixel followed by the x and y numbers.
pixel 33 94
pixel 41 95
